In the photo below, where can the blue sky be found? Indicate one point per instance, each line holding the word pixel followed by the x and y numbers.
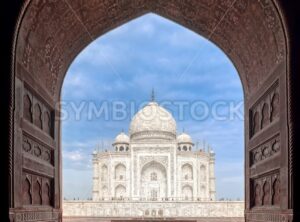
pixel 123 66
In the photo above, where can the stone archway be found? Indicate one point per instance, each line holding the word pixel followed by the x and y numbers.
pixel 49 34
pixel 153 184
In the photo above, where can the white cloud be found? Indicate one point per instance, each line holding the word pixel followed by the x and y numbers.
pixel 73 155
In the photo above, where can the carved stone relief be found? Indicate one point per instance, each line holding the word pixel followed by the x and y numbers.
pixel 265 150
pixel 27 192
pixel 265 190
pixel 37 190
pixel 37 149
pixel 47 122
pixel 160 159
pixel 37 112
pixel 63 37
pixel 46 195
pixel 27 108
pixel 37 117
pixel 266 198
pixel 265 111
pixel 276 192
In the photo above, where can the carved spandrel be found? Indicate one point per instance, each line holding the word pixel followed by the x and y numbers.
pixel 57 29
pixel 148 159
pixel 265 111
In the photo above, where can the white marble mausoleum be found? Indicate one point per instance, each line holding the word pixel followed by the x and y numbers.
pixel 154 172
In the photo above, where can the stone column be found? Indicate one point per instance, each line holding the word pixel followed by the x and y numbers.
pixel 212 179
pixel 194 171
pixel 95 177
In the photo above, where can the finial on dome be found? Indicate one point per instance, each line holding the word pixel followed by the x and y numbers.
pixel 152 95
pixel 183 129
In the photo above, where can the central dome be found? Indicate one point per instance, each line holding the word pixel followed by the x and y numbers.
pixel 152 122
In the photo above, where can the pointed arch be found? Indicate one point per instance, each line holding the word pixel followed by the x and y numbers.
pixel 120 171
pixel 120 191
pixel 187 171
pixel 187 192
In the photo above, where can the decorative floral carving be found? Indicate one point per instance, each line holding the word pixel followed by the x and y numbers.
pixel 39 150
pixel 26 145
pixel 265 150
pixel 204 17
pixel 147 159
pixel 27 55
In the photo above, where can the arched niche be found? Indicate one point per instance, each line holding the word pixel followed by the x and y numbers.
pixel 120 172
pixel 120 191
pixel 203 173
pixel 187 171
pixel 104 172
pixel 187 192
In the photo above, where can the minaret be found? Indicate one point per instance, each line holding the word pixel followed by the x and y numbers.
pixel 95 176
pixel 212 179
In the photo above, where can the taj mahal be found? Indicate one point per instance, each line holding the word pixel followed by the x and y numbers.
pixel 154 172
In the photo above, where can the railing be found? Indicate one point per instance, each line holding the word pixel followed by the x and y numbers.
pixel 167 199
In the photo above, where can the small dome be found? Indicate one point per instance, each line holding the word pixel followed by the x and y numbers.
pixel 122 138
pixel 184 138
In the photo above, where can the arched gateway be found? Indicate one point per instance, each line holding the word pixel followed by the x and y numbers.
pixel 49 34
